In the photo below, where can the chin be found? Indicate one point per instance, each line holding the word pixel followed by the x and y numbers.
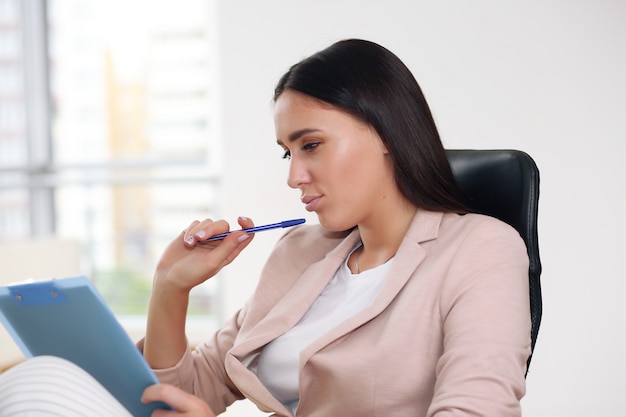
pixel 335 225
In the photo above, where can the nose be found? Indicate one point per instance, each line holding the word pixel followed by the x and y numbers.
pixel 298 173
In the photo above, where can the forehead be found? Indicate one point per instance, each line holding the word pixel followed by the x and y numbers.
pixel 292 101
pixel 294 111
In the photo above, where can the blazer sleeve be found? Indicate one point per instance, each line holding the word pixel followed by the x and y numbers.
pixel 486 324
pixel 201 370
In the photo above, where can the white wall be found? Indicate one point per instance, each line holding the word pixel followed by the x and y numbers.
pixel 546 77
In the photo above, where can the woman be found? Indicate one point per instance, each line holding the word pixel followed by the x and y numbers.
pixel 397 304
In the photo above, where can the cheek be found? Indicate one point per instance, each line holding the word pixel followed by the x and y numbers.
pixel 358 173
pixel 347 169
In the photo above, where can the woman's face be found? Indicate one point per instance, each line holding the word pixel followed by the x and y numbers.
pixel 339 163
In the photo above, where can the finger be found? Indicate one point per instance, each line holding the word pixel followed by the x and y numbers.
pixel 165 393
pixel 243 241
pixel 231 246
pixel 204 229
pixel 200 231
pixel 223 252
pixel 181 401
pixel 188 232
pixel 245 222
pixel 191 226
pixel 151 394
pixel 208 228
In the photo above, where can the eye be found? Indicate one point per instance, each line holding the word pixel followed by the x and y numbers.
pixel 287 154
pixel 310 146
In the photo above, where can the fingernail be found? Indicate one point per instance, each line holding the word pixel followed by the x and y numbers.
pixel 242 238
pixel 244 218
pixel 189 240
pixel 201 234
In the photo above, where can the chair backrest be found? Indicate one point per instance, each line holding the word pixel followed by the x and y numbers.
pixel 505 184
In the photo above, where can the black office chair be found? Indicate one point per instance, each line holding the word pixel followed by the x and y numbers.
pixel 505 184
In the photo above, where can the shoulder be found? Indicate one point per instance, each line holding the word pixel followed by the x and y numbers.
pixel 483 251
pixel 475 245
pixel 477 227
pixel 439 227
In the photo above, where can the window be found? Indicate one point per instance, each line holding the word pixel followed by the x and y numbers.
pixel 107 133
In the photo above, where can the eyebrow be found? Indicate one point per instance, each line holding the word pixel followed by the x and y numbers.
pixel 297 134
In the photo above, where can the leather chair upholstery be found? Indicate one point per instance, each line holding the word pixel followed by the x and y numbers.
pixel 505 184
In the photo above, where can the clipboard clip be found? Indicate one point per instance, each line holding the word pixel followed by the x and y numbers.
pixel 41 293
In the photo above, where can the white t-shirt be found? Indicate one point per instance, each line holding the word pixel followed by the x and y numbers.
pixel 345 295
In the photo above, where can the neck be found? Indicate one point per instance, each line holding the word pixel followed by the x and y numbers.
pixel 382 237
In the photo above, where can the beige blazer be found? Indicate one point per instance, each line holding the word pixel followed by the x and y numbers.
pixel 448 335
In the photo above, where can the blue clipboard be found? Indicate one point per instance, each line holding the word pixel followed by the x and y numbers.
pixel 68 318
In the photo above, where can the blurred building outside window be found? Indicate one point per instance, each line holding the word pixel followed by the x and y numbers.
pixel 108 134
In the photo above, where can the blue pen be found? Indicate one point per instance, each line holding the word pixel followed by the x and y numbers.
pixel 283 224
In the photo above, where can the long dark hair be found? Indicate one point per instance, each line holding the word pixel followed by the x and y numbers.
pixel 371 83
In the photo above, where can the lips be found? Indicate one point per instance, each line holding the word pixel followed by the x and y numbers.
pixel 311 202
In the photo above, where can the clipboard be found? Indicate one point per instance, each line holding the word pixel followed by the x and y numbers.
pixel 68 318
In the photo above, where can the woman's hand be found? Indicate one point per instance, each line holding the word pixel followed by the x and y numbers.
pixel 187 262
pixel 184 404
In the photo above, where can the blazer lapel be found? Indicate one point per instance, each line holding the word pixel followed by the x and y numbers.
pixel 283 316
pixel 288 311
pixel 410 254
